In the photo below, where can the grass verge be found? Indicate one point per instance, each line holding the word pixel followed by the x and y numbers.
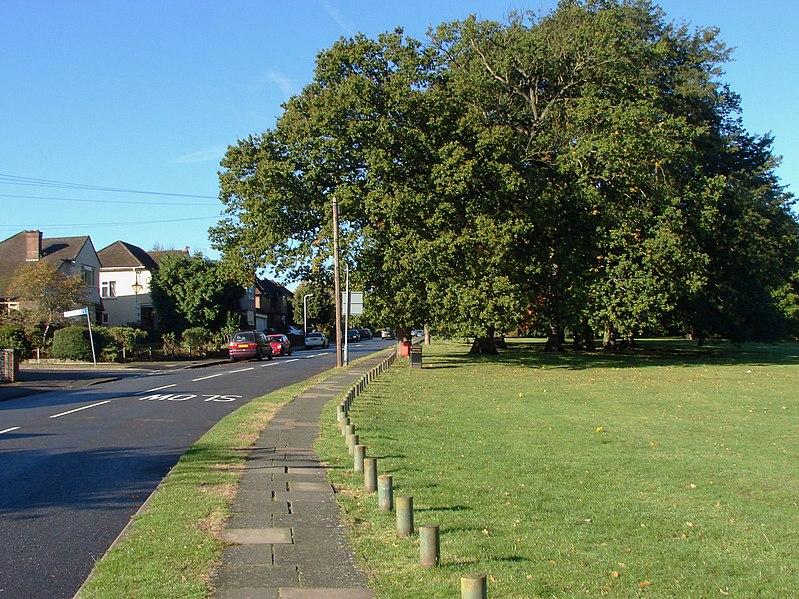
pixel 667 472
pixel 172 545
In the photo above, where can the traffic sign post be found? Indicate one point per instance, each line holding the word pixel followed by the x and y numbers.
pixel 81 312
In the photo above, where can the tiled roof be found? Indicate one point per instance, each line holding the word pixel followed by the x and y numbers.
pixel 57 249
pixel 159 255
pixel 123 254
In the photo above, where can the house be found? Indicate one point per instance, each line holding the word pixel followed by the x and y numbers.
pixel 72 256
pixel 125 274
pixel 266 305
pixel 273 304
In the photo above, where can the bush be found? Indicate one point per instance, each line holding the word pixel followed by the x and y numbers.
pixel 72 343
pixel 13 336
pixel 169 343
pixel 117 339
pixel 196 338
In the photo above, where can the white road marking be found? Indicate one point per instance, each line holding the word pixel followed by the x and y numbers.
pixel 210 376
pixel 265 365
pixel 244 369
pixel 8 430
pixel 99 403
pixel 159 388
pixel 292 360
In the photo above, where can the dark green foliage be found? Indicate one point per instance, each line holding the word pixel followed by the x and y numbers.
pixel 13 337
pixel 193 291
pixel 196 338
pixel 583 169
pixel 72 343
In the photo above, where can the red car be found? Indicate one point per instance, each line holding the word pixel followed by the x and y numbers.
pixel 281 346
pixel 249 344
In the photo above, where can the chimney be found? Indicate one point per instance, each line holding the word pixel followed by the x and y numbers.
pixel 33 245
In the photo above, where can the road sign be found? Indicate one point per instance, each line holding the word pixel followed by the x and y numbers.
pixel 356 302
pixel 80 312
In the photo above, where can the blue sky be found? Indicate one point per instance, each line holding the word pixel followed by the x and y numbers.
pixel 146 95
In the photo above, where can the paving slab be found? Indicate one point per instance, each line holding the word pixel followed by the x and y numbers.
pixel 286 533
pixel 257 536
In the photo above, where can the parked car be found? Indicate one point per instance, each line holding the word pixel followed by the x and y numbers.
pixel 387 334
pixel 281 346
pixel 365 333
pixel 249 344
pixel 353 335
pixel 417 333
pixel 316 339
pixel 296 335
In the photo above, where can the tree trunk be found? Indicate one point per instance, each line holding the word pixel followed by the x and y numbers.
pixel 609 341
pixel 485 345
pixel 555 338
pixel 427 334
pixel 584 337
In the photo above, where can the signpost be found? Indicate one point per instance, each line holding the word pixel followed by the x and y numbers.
pixel 353 302
pixel 81 312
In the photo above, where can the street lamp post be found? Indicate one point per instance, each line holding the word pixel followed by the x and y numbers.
pixel 305 313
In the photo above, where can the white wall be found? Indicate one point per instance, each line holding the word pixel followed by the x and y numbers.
pixel 124 308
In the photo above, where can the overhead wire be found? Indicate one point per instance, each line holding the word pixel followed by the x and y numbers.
pixel 7 179
pixel 59 199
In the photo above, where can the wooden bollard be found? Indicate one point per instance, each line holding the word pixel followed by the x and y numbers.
pixel 341 414
pixel 359 453
pixel 404 516
pixel 370 475
pixel 352 441
pixel 473 586
pixel 343 426
pixel 349 429
pixel 429 546
pixel 385 493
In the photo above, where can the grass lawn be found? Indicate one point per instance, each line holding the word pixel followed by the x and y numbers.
pixel 667 472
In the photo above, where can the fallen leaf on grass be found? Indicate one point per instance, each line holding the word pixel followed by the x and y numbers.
pixel 615 574
pixel 644 583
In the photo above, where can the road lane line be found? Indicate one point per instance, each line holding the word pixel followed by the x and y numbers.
pixel 8 430
pixel 99 403
pixel 210 376
pixel 292 360
pixel 243 369
pixel 265 365
pixel 159 388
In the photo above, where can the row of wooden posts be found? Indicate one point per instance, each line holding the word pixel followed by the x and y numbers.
pixel 473 586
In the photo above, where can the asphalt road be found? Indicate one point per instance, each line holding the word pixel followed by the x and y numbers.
pixel 75 465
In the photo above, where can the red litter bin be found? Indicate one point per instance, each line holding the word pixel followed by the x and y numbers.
pixel 405 349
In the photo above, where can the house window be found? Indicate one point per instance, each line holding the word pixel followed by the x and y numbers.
pixel 88 275
pixel 108 289
pixel 104 318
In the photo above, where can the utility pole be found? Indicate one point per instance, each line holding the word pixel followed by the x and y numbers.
pixel 339 362
pixel 347 319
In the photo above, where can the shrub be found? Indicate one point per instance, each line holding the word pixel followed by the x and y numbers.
pixel 12 336
pixel 72 343
pixel 117 339
pixel 169 343
pixel 196 338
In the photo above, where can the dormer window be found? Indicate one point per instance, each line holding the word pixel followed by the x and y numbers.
pixel 88 275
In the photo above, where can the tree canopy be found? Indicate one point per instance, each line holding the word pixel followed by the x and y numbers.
pixel 584 168
pixel 193 291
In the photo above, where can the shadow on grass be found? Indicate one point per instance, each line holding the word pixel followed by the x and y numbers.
pixel 447 508
pixel 662 352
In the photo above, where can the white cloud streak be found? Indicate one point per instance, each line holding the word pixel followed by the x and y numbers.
pixel 338 17
pixel 214 154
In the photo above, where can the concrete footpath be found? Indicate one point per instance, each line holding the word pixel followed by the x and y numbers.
pixel 287 539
